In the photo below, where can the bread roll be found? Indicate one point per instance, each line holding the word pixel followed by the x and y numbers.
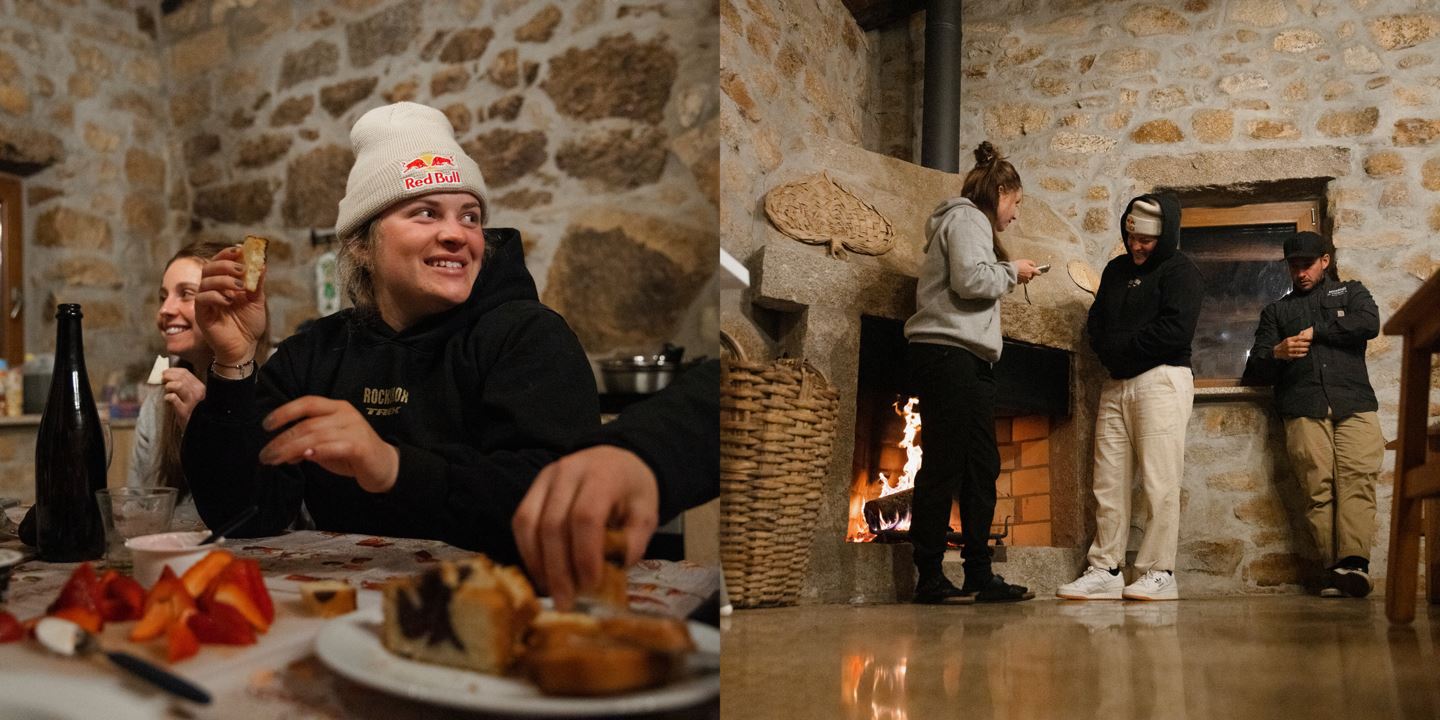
pixel 253 252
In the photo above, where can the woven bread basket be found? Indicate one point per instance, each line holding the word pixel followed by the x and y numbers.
pixel 777 431
pixel 818 211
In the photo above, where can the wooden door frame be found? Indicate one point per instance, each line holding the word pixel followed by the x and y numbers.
pixel 12 278
pixel 1304 214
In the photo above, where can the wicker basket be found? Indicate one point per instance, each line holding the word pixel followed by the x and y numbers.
pixel 777 428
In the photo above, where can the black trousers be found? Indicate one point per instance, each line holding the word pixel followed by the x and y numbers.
pixel 961 461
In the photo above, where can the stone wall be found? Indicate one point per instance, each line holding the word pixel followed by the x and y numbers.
pixel 1096 102
pixel 83 118
pixel 1100 101
pixel 594 123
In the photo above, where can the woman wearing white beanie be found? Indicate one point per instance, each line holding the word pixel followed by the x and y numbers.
pixel 423 411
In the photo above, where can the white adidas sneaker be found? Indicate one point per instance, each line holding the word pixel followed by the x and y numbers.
pixel 1095 584
pixel 1153 585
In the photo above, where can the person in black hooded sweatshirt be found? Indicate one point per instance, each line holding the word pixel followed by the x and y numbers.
pixel 424 411
pixel 1141 325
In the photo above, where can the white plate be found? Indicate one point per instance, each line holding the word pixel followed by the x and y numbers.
pixel 351 646
pixel 52 697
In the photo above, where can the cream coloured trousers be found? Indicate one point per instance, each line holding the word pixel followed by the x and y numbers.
pixel 1140 426
pixel 1337 463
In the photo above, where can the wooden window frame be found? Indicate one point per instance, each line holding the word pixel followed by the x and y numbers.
pixel 12 282
pixel 1304 214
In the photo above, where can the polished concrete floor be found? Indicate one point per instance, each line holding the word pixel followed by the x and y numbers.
pixel 1253 658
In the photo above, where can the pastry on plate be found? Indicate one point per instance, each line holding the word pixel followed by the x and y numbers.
pixel 469 614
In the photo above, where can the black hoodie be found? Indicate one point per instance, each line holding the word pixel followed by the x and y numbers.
pixel 1144 315
pixel 477 399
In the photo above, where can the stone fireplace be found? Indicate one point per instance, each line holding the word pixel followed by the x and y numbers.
pixel 819 307
pixel 1033 385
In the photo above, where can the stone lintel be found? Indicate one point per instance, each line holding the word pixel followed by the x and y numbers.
pixel 1240 167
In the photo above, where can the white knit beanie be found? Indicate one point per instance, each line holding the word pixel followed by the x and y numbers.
pixel 402 151
pixel 1145 218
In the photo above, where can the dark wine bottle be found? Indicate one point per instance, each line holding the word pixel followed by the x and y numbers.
pixel 69 454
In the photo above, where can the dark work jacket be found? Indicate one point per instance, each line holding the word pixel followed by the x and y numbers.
pixel 476 399
pixel 1332 377
pixel 1144 316
pixel 677 433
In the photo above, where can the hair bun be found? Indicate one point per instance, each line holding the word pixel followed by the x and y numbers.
pixel 986 154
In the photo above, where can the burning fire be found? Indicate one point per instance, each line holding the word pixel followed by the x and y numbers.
pixel 860 530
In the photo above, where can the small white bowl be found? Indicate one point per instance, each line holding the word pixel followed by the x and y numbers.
pixel 179 550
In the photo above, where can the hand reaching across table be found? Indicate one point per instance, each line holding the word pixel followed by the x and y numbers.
pixel 560 526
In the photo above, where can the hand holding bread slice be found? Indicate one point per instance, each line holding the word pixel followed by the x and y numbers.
pixel 230 307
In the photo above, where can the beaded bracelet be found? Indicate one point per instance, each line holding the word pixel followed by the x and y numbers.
pixel 245 369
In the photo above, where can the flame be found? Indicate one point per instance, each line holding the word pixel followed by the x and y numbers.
pixel 913 452
pixel 859 530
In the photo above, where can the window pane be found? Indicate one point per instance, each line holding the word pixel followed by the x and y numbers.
pixel 1243 273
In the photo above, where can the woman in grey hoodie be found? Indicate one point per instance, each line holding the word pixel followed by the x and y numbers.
pixel 955 340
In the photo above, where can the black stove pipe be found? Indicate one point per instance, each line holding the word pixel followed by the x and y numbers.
pixel 940 124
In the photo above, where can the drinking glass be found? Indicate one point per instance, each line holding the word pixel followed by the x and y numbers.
pixel 129 512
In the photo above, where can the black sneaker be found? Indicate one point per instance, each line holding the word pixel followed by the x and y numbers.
pixel 1352 581
pixel 939 591
pixel 996 590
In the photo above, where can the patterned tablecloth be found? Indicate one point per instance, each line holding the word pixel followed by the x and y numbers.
pixel 280 677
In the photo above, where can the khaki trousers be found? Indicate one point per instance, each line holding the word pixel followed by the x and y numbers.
pixel 1140 426
pixel 1337 463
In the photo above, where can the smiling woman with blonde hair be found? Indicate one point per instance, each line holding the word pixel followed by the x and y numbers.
pixel 155 456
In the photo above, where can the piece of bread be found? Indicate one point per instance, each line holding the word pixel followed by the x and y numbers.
pixel 157 371
pixel 613 592
pixel 586 655
pixel 469 614
pixel 253 252
pixel 327 598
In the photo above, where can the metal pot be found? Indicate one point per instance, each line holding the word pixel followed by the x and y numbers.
pixel 639 374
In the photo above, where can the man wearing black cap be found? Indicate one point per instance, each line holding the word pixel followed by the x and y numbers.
pixel 1311 345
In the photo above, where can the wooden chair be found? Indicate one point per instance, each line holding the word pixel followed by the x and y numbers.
pixel 1417 467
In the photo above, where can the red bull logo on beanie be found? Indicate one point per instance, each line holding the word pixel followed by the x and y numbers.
pixel 425 170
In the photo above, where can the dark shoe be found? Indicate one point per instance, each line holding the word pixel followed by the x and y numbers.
pixel 939 591
pixel 996 590
pixel 1354 582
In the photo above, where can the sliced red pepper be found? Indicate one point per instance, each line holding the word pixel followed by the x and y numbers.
pixel 121 597
pixel 82 590
pixel 235 586
pixel 84 617
pixel 221 624
pixel 10 628
pixel 167 601
pixel 199 576
pixel 180 642
pixel 258 592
